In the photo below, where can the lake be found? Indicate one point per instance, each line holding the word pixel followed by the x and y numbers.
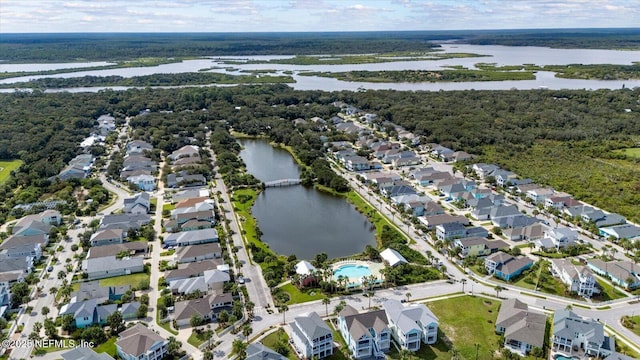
pixel 501 55
pixel 299 220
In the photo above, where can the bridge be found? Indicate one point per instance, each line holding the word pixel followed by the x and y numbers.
pixel 282 182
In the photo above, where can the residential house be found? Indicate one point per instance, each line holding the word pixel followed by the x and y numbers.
pixel 143 182
pixel 129 310
pixel 397 190
pixel 257 351
pixel 516 222
pixel 205 215
pixel 432 221
pixel 574 334
pixel 124 221
pixel 107 237
pixel 84 353
pixel 453 191
pixel 461 156
pixel 185 151
pixel 110 266
pixel 129 248
pixel 32 225
pixel 432 208
pixel 557 238
pixel 392 257
pixel 624 273
pixel 189 194
pixel 137 162
pixel 540 195
pixel 24 246
pixel 456 230
pixel 484 170
pixel 499 213
pixel 138 204
pixel 141 343
pixel 356 163
pixel 406 161
pixel 209 281
pixel 15 268
pixel 523 330
pixel 504 177
pixel 138 147
pixel 560 202
pixel 367 335
pixel 87 313
pixel 618 232
pixel 311 336
pixel 475 246
pixel 505 266
pixel 600 218
pixel 91 290
pixel 194 269
pixel 410 325
pixel 183 179
pixel 206 308
pixel 531 232
pixel 186 238
pixel 193 253
pixel 579 279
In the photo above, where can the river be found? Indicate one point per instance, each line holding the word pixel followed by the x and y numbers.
pixel 299 220
pixel 500 55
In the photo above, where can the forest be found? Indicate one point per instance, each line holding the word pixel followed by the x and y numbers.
pixel 561 138
pixel 127 46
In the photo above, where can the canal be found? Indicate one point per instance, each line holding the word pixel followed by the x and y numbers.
pixel 299 220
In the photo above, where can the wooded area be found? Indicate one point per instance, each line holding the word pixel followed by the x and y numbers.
pixel 562 138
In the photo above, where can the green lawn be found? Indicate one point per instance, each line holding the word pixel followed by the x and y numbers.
pixel 198 338
pixel 165 325
pixel 168 207
pixel 296 296
pixel 133 280
pixel 477 326
pixel 439 350
pixel 608 292
pixel 280 335
pixel 243 210
pixel 6 167
pixel 632 323
pixel 630 152
pixel 108 347
pixel 168 252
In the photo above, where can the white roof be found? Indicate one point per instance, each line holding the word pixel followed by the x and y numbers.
pixel 393 257
pixel 304 268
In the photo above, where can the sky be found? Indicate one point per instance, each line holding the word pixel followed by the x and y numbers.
pixel 22 16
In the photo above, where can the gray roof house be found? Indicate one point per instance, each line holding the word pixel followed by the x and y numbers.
pixel 312 336
pixel 367 334
pixel 193 253
pixel 88 312
pixel 523 330
pixel 195 237
pixel 140 203
pixel 109 266
pixel 84 353
pixel 124 221
pixel 257 351
pixel 572 333
pixel 92 290
pixel 107 237
pixel 141 343
pixel 411 325
pixel 130 310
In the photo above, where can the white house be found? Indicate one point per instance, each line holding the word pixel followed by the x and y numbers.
pixel 411 325
pixel 141 343
pixel 311 336
pixel 578 278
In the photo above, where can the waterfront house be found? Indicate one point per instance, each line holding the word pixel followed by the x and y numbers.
pixel 311 336
pixel 411 325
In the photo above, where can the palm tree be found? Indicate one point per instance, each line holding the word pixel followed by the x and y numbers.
pixel 369 294
pixel 463 281
pixel 283 309
pixel 246 331
pixel 240 349
pixel 341 280
pixel 498 288
pixel 326 301
pixel 250 306
pixel 408 295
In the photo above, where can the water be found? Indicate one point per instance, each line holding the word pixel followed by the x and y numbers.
pixel 298 220
pixel 352 271
pixel 501 55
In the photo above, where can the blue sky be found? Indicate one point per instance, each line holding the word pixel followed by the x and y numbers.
pixel 310 15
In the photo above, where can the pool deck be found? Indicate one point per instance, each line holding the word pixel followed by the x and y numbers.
pixel 354 283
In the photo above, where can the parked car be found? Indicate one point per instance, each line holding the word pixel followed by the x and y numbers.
pixel 240 280
pixel 50 268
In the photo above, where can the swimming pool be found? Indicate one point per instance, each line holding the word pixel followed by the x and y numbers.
pixel 352 271
pixel 562 357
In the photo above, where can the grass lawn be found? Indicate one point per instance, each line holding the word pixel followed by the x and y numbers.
pixel 439 350
pixel 630 152
pixel 198 338
pixel 168 252
pixel 168 207
pixel 296 296
pixel 133 280
pixel 632 323
pixel 608 292
pixel 372 214
pixel 477 326
pixel 165 325
pixel 338 353
pixel 108 347
pixel 6 167
pixel 280 335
